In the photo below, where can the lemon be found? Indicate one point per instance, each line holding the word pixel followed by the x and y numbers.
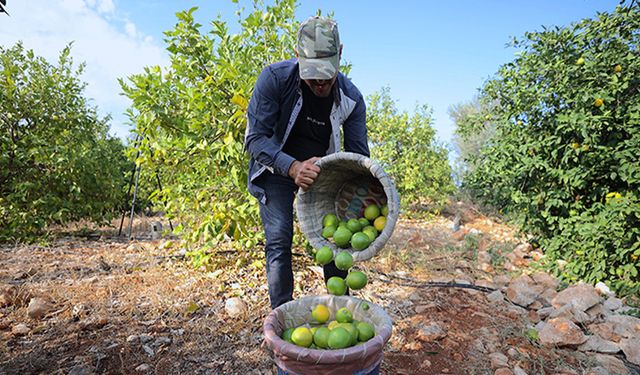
pixel 332 324
pixel 342 236
pixel 365 331
pixel 330 220
pixel 371 212
pixel 371 232
pixel 336 286
pixel 321 337
pixel 385 210
pixel 356 280
pixel 344 260
pixel 363 222
pixel 379 223
pixel 339 338
pixel 328 232
pixel 343 315
pixel 321 313
pixel 286 335
pixel 302 336
pixel 354 225
pixel 360 241
pixel 324 255
pixel 353 332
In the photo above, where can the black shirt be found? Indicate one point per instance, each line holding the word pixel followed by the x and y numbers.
pixel 311 132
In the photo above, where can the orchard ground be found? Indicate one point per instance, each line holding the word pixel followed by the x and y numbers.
pixel 111 306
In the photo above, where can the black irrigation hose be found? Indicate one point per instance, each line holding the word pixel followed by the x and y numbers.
pixel 440 284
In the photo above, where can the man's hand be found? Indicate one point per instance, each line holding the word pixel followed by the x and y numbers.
pixel 304 173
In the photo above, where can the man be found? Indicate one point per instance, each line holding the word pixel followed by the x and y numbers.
pixel 295 114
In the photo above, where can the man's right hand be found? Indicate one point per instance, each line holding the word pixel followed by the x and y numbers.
pixel 304 173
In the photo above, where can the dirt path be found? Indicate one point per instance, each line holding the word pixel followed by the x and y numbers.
pixel 118 307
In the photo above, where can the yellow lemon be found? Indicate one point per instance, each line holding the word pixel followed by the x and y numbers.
pixel 379 223
pixel 321 313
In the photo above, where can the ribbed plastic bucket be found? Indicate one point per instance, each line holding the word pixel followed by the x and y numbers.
pixel 361 359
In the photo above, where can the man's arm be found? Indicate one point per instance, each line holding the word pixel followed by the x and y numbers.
pixel 260 139
pixel 355 130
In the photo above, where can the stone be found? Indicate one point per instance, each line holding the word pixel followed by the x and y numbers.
pixel 596 312
pixel 7 295
pixel 430 333
pixel 519 371
pixel 503 371
pixel 495 296
pixel 523 248
pixel 625 326
pixel 132 338
pixel 596 343
pixel 546 280
pixel 547 296
pixel 604 330
pixel 81 369
pixel 38 308
pixel 604 290
pixel 561 332
pixel 612 364
pixel 235 307
pixel 582 296
pixel 484 257
pixel 545 312
pixel 143 368
pixel 631 350
pixel 147 349
pixel 20 329
pixel 523 290
pixel 612 303
pixel 498 360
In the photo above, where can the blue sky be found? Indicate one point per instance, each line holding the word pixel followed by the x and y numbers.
pixel 427 52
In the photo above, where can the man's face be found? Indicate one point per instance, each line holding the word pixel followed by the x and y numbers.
pixel 321 87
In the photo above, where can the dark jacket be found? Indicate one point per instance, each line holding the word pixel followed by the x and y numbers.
pixel 273 109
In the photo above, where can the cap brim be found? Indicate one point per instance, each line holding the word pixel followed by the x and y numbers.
pixel 319 68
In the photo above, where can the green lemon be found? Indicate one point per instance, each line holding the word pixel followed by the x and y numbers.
pixel 385 210
pixel 344 260
pixel 356 280
pixel 371 212
pixel 332 324
pixel 353 331
pixel 328 232
pixel 360 241
pixel 363 222
pixel 286 335
pixel 330 220
pixel 343 315
pixel 365 331
pixel 339 338
pixel 336 286
pixel 342 236
pixel 365 306
pixel 324 255
pixel 354 225
pixel 321 337
pixel 302 336
pixel 371 232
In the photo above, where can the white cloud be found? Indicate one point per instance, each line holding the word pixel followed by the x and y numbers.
pixel 112 47
pixel 130 28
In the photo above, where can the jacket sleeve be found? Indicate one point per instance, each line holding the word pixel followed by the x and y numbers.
pixel 355 130
pixel 260 139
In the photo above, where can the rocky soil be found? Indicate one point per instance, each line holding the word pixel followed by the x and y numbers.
pixel 467 301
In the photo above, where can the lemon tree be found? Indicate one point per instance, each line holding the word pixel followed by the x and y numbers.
pixel 562 161
pixel 57 161
pixel 192 114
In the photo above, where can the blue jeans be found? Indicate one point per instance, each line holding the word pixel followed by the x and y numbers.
pixel 277 221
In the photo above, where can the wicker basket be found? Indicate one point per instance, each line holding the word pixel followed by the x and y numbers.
pixel 347 183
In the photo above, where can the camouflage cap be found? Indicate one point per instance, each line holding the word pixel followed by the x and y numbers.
pixel 318 48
